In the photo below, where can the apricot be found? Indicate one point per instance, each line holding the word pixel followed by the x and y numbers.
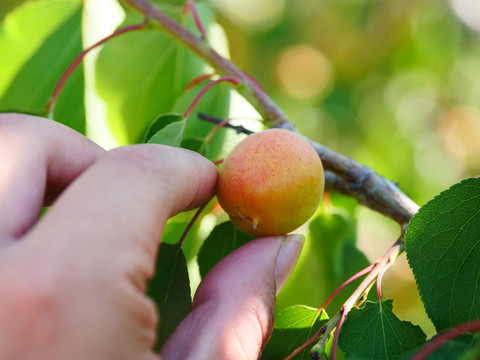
pixel 271 183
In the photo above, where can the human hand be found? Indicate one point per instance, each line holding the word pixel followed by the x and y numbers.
pixel 73 283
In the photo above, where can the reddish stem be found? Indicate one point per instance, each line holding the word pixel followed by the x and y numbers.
pixel 79 58
pixel 346 283
pixel 321 331
pixel 307 343
pixel 198 79
pixel 441 339
pixel 217 127
pixel 218 162
pixel 190 224
pixel 379 280
pixel 337 333
pixel 190 6
pixel 206 88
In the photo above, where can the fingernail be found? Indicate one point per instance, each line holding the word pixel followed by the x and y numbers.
pixel 287 258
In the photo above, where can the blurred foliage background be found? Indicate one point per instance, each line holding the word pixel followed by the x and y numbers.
pixel 393 84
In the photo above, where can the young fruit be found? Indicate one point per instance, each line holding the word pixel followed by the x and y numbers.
pixel 271 183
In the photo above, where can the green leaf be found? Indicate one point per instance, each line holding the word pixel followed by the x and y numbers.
pixel 170 289
pixel 223 239
pixel 151 77
pixel 166 129
pixel 443 249
pixel 34 59
pixel 195 145
pixel 375 332
pixel 293 327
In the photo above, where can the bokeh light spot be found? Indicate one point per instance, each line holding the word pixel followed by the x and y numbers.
pixel 303 71
pixel 252 15
pixel 460 131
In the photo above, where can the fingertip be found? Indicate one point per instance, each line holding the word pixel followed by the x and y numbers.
pixel 287 258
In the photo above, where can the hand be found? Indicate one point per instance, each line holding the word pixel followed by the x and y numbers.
pixel 73 283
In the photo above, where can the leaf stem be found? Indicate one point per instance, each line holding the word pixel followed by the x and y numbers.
pixel 379 280
pixel 441 339
pixel 343 315
pixel 190 224
pixel 346 283
pixel 307 343
pixel 198 79
pixel 190 6
pixel 56 92
pixel 206 88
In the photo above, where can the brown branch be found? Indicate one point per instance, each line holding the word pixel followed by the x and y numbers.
pixel 343 174
pixel 368 187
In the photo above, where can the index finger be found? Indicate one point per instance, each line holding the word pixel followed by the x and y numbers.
pixel 38 159
pixel 115 211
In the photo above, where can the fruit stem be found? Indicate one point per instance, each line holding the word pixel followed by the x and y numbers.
pixel 51 102
pixel 252 222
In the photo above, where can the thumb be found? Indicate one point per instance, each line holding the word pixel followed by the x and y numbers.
pixel 233 308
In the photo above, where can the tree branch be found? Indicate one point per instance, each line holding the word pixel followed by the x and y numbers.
pixel 343 174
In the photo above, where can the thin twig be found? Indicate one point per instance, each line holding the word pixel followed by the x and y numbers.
pixel 238 128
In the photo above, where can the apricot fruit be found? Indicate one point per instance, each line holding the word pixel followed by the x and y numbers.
pixel 271 183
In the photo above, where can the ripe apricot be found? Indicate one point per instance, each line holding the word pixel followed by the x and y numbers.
pixel 271 183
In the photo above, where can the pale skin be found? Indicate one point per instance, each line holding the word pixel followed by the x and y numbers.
pixel 73 283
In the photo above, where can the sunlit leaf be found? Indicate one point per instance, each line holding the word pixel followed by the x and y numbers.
pixel 293 327
pixel 151 77
pixel 166 129
pixel 37 56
